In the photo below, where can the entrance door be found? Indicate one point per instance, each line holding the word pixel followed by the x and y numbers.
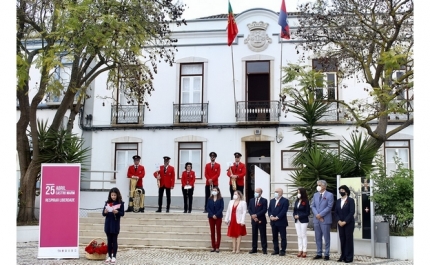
pixel 258 90
pixel 258 154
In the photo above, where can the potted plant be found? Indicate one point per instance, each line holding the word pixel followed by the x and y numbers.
pixel 393 195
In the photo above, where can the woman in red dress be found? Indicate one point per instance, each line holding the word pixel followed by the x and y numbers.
pixel 235 219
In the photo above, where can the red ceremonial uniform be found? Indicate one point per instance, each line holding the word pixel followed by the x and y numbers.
pixel 139 172
pixel 188 179
pixel 240 171
pixel 167 179
pixel 212 173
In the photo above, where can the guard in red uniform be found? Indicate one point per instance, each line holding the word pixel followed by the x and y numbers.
pixel 237 171
pixel 136 172
pixel 166 177
pixel 212 172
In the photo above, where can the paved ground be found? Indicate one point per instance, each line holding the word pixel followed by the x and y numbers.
pixel 27 254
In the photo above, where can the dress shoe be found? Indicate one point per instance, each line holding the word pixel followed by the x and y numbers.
pixel 217 251
pixel 167 210
pixel 282 253
pixel 142 210
pixel 158 211
pixel 252 251
pixel 299 254
pixel 327 258
pixel 213 250
pixel 348 261
pixel 189 211
pixel 318 257
pixel 304 255
pixel 265 252
pixel 185 211
pixel 340 260
pixel 275 253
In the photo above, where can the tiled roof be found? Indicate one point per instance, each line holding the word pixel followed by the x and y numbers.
pixel 235 15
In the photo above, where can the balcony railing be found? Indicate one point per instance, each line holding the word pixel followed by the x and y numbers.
pixel 258 111
pixel 127 114
pixel 190 113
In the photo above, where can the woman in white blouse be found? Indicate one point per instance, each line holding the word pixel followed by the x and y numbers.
pixel 235 219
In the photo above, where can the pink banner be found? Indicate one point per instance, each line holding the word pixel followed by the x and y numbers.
pixel 59 211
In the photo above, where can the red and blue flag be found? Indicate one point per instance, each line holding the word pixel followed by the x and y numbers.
pixel 283 22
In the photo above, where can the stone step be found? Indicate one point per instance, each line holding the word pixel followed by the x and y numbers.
pixel 202 243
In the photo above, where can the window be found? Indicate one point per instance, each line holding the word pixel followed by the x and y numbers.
pixel 329 69
pixel 124 153
pixel 331 146
pixel 191 83
pixel 61 78
pixel 190 152
pixel 399 148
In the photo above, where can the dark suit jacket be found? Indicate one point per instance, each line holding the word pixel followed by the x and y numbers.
pixel 303 211
pixel 260 210
pixel 215 207
pixel 346 213
pixel 279 211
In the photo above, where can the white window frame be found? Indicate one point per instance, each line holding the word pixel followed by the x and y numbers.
pixel 398 148
pixel 195 81
pixel 190 152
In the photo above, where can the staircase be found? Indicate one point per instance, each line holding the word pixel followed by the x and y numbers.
pixel 177 230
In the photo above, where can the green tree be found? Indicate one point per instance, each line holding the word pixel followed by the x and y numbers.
pixel 369 40
pixel 125 39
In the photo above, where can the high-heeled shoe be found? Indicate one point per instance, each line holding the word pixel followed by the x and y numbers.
pixel 299 254
pixel 304 255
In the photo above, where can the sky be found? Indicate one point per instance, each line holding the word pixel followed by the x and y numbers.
pixel 203 8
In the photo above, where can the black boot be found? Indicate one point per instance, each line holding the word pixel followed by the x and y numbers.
pixel 129 209
pixel 167 210
pixel 158 211
pixel 142 210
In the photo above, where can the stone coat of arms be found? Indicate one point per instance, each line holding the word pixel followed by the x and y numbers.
pixel 258 40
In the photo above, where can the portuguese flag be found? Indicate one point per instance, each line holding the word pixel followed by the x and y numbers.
pixel 231 27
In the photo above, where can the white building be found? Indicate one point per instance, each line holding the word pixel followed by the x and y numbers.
pixel 200 106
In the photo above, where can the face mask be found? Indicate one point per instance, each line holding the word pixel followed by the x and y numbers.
pixel 214 193
pixel 318 188
pixel 299 195
pixel 276 195
pixel 256 195
pixel 342 193
pixel 234 197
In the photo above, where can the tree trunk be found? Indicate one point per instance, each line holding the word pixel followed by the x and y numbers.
pixel 27 193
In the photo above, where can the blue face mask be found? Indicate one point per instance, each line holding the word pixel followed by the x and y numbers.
pixel 256 195
pixel 276 195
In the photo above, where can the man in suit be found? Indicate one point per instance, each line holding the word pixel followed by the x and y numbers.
pixel 212 172
pixel 257 209
pixel 136 171
pixel 322 204
pixel 237 171
pixel 166 175
pixel 277 212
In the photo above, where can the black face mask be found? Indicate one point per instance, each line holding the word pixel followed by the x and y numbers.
pixel 342 193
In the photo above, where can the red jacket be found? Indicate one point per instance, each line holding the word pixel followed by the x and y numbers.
pixel 212 173
pixel 140 172
pixel 240 171
pixel 167 179
pixel 188 179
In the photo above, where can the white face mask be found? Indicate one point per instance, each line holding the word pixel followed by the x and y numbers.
pixel 256 195
pixel 214 193
pixel 299 195
pixel 318 188
pixel 234 197
pixel 276 195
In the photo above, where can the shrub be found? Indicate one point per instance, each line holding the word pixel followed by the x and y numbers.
pixel 393 195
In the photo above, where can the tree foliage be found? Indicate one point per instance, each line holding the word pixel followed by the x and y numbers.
pixel 125 39
pixel 370 40
pixel 393 195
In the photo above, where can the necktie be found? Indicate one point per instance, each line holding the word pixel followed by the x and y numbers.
pixel 256 202
pixel 135 167
pixel 212 165
pixel 320 197
pixel 165 169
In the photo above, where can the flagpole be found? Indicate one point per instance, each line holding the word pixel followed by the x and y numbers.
pixel 234 83
pixel 280 74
